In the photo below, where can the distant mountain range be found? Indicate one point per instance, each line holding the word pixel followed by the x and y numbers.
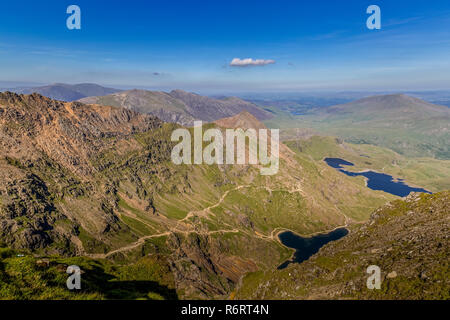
pixel 179 106
pixel 405 124
pixel 66 92
pixel 176 106
pixel 299 102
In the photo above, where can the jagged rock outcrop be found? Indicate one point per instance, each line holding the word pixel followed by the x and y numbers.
pixel 46 152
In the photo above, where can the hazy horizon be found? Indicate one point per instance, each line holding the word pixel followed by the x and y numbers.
pixel 5 85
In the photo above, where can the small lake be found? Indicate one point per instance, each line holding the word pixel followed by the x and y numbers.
pixel 306 247
pixel 375 180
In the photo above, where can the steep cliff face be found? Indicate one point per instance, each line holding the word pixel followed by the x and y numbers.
pixel 68 133
pixel 46 148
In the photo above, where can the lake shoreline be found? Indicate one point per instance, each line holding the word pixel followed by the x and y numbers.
pixel 394 178
pixel 374 180
pixel 311 244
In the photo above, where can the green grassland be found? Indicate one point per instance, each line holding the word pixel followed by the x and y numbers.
pixel 25 277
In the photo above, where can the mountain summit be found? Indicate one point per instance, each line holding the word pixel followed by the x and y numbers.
pixel 393 105
pixel 407 125
pixel 243 120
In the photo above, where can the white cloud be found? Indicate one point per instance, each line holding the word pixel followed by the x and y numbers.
pixel 236 62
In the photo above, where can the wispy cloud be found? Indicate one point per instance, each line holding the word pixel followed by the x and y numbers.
pixel 328 36
pixel 398 22
pixel 236 62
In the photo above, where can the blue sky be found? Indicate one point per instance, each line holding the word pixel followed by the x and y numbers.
pixel 165 44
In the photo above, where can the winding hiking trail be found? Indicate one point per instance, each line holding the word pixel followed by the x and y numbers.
pixel 205 212
pixel 131 246
pixel 141 240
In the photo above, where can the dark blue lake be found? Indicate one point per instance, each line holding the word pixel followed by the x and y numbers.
pixel 375 180
pixel 306 247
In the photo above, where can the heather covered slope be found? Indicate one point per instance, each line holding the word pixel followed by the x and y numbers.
pixel 98 181
pixel 179 106
pixel 408 239
pixel 243 120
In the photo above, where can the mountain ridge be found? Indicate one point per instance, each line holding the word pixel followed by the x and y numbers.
pixel 385 103
pixel 179 106
pixel 66 92
pixel 406 125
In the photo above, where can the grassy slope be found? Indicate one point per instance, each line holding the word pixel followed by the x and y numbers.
pixel 24 277
pixel 408 240
pixel 256 210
